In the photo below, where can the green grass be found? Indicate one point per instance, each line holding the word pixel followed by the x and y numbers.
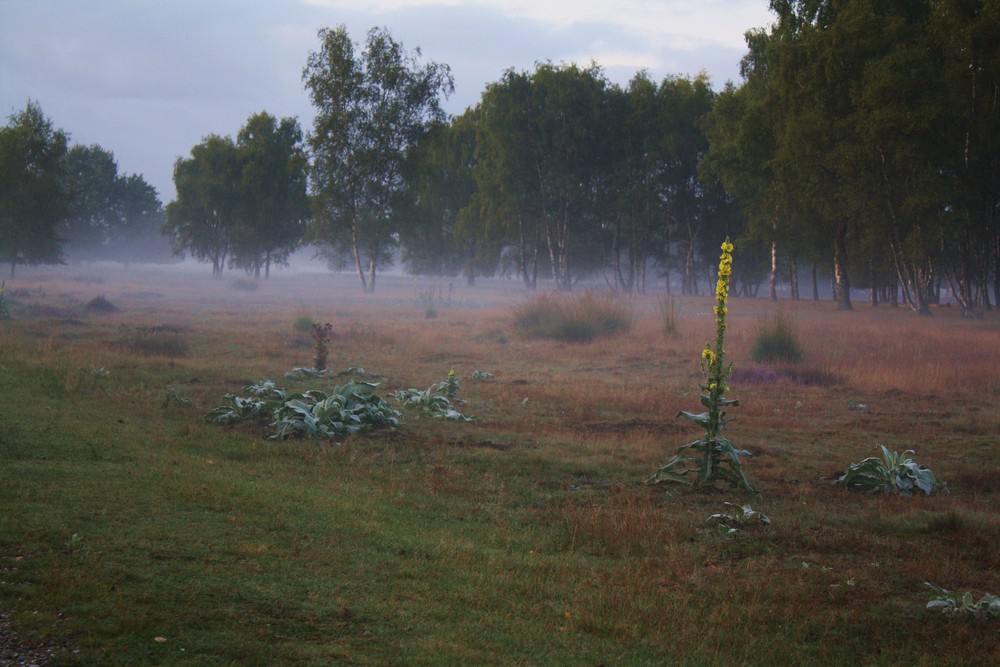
pixel 235 549
pixel 522 538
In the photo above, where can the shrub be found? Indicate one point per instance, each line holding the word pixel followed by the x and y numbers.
pixel 776 341
pixel 576 319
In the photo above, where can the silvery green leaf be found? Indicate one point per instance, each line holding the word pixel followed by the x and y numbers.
pixel 994 607
pixel 700 418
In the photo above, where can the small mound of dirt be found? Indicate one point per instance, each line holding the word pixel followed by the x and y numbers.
pixel 101 305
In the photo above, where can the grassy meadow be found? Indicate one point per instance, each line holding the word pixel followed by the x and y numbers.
pixel 133 532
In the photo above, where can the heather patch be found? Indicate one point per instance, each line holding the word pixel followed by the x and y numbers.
pixel 753 376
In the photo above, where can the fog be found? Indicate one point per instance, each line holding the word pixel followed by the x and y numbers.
pixel 306 283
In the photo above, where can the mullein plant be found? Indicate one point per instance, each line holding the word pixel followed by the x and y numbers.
pixel 451 385
pixel 321 336
pixel 711 458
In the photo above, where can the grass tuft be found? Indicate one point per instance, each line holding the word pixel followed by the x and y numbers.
pixel 99 304
pixel 245 285
pixel 157 341
pixel 669 316
pixel 577 319
pixel 304 323
pixel 4 306
pixel 776 340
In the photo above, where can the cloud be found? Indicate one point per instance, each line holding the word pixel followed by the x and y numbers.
pixel 482 38
pixel 677 23
pixel 148 80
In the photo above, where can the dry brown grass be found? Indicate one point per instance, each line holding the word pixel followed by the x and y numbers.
pixel 934 375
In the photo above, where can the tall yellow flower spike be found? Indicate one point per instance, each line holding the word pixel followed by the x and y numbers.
pixel 713 457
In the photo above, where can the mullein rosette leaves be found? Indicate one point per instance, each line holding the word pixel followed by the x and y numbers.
pixel 711 458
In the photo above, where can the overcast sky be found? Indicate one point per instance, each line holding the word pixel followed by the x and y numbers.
pixel 148 79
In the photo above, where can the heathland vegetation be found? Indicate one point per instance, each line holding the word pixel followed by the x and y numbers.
pixel 133 530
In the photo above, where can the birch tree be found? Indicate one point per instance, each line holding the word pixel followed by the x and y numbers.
pixel 373 102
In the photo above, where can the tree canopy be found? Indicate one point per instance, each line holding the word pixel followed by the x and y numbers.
pixel 877 127
pixel 274 205
pixel 202 219
pixel 34 196
pixel 243 201
pixel 373 104
pixel 574 176
pixel 864 142
pixel 111 215
pixel 58 201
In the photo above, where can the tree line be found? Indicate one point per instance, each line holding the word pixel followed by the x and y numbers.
pixel 863 143
pixel 243 202
pixel 861 146
pixel 556 174
pixel 866 134
pixel 57 199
